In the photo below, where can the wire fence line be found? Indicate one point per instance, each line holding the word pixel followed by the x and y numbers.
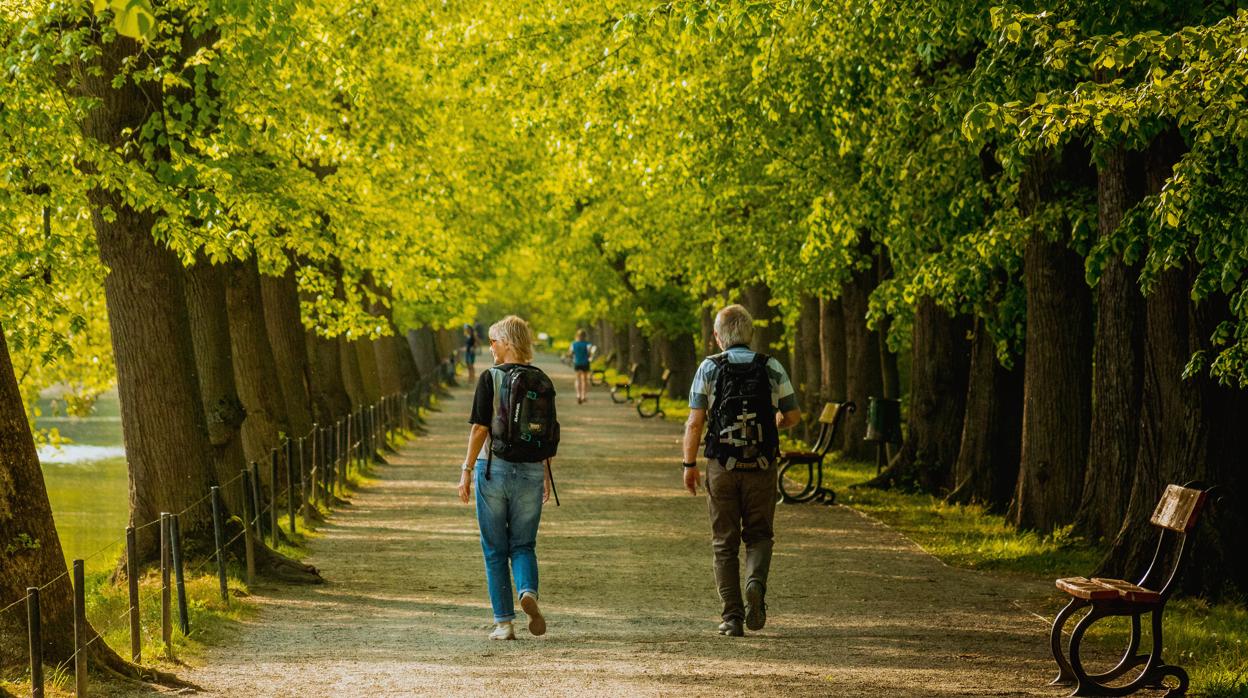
pixel 324 456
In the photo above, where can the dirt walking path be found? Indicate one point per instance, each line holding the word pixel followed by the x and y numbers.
pixel 855 609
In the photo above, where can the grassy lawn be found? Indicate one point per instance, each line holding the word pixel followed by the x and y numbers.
pixel 1210 641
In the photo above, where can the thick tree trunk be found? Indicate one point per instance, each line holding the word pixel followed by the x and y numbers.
pixel 862 362
pixel 288 340
pixel 679 355
pixel 330 399
pixel 768 325
pixel 639 352
pixel 1117 368
pixel 409 375
pixel 366 354
pixel 210 332
pixel 938 385
pixel 706 342
pixel 890 375
pixel 987 466
pixel 352 376
pixel 622 348
pixel 1057 378
pixel 420 341
pixel 808 360
pixel 255 370
pixel 832 359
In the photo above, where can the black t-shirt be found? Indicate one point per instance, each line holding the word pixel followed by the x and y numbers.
pixel 483 399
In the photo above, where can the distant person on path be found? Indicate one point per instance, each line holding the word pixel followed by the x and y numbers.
pixel 741 400
pixel 470 351
pixel 513 476
pixel 582 352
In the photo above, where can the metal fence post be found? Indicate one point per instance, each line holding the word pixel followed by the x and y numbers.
pixel 132 581
pixel 249 543
pixel 80 630
pixel 256 510
pixel 219 538
pixel 166 564
pixel 273 497
pixel 290 484
pixel 34 632
pixel 184 618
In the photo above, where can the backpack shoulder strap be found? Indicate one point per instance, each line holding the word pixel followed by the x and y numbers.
pixel 761 360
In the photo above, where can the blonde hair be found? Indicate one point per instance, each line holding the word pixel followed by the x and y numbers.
pixel 515 333
pixel 734 325
pixel 581 334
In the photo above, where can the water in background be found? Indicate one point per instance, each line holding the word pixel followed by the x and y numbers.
pixel 87 481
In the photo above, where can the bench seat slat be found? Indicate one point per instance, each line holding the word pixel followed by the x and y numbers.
pixel 1128 591
pixel 1084 588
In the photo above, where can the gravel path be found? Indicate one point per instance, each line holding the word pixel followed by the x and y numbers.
pixel 855 609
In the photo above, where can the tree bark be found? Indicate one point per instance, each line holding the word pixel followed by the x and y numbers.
pixel 1057 378
pixel 31 555
pixel 210 333
pixel 352 376
pixel 679 356
pixel 706 344
pixel 288 340
pixel 832 359
pixel 1117 368
pixel 330 399
pixel 366 354
pixel 162 416
pixel 255 370
pixel 768 325
pixel 809 358
pixel 987 466
pixel 862 362
pixel 639 352
pixel 890 376
pixel 938 385
pixel 420 341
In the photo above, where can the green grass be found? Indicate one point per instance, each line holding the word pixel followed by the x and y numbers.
pixel 1209 640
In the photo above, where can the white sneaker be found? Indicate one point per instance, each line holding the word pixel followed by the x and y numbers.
pixel 537 623
pixel 503 631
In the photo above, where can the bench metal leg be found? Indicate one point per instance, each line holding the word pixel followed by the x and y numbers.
pixel 1154 673
pixel 1065 675
pixel 641 404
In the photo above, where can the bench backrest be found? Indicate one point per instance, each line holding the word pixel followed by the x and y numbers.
pixel 609 358
pixel 632 372
pixel 1178 509
pixel 667 375
pixel 1176 515
pixel 829 421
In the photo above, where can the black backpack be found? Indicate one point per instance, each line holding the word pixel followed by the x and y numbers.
pixel 741 427
pixel 524 428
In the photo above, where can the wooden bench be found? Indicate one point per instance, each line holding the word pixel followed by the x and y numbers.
pixel 598 376
pixel 1176 516
pixel 811 487
pixel 625 385
pixel 656 396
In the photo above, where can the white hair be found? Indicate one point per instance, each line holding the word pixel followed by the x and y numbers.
pixel 734 325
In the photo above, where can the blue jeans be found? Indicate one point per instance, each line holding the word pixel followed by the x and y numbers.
pixel 509 508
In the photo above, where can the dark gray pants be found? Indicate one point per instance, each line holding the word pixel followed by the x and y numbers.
pixel 742 506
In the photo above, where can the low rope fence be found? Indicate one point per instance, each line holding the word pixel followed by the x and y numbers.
pixel 317 469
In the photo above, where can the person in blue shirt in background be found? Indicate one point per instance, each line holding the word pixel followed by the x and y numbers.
pixel 582 352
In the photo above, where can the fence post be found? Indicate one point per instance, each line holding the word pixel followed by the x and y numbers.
pixel 290 485
pixel 34 632
pixel 256 510
pixel 80 630
pixel 132 581
pixel 166 616
pixel 218 537
pixel 248 543
pixel 350 430
pixel 304 502
pixel 175 539
pixel 273 496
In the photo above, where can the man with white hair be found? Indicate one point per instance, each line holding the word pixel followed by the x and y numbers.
pixel 744 398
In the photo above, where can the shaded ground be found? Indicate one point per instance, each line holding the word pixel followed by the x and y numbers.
pixel 855 608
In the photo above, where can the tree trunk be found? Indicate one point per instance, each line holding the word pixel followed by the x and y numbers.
pixel 987 466
pixel 679 355
pixel 366 354
pixel 330 399
pixel 707 345
pixel 808 360
pixel 162 416
pixel 639 352
pixel 352 376
pixel 862 362
pixel 768 325
pixel 832 358
pixel 255 370
pixel 210 332
pixel 409 375
pixel 420 340
pixel 288 340
pixel 890 378
pixel 1057 378
pixel 1117 368
pixel 938 386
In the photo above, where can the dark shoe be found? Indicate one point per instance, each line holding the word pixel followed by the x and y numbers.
pixel 731 628
pixel 755 607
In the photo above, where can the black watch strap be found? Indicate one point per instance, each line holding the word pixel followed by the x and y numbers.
pixel 690 465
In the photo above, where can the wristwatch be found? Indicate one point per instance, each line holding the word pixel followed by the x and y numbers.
pixel 690 465
pixel 465 468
